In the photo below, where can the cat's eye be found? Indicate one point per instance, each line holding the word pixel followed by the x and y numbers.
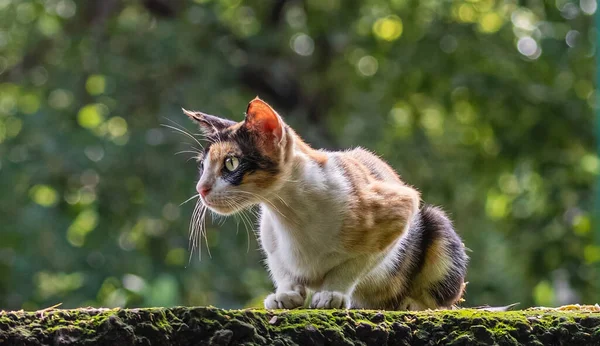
pixel 232 163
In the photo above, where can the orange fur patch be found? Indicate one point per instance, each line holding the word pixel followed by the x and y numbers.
pixel 318 156
pixel 218 151
pixel 376 166
pixel 260 179
pixel 378 212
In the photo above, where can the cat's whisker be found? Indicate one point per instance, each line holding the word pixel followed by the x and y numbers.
pixel 181 127
pixel 289 180
pixel 218 218
pixel 281 199
pixel 192 224
pixel 189 199
pixel 188 151
pixel 237 226
pixel 204 233
pixel 248 224
pixel 193 228
pixel 249 231
pixel 190 230
pixel 196 237
pixel 198 232
pixel 262 199
pixel 183 132
pixel 175 123
pixel 197 150
pixel 245 219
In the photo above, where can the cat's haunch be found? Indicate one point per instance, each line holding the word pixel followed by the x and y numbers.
pixel 341 224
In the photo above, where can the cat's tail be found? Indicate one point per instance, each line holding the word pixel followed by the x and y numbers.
pixel 440 259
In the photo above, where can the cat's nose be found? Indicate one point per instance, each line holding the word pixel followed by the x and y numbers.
pixel 203 190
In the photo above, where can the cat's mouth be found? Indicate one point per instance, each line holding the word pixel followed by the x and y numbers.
pixel 220 207
pixel 227 203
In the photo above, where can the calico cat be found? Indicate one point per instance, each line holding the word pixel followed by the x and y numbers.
pixel 340 224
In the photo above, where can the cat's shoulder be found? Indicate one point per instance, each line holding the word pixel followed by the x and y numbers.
pixel 373 162
pixel 363 155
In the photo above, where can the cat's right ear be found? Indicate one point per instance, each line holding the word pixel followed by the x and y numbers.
pixel 209 124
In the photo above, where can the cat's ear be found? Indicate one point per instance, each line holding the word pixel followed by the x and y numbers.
pixel 209 124
pixel 263 119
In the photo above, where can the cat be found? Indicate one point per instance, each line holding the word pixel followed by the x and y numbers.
pixel 339 224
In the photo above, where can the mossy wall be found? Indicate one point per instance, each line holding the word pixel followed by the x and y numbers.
pixel 211 326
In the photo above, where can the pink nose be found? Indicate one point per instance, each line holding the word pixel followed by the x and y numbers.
pixel 203 190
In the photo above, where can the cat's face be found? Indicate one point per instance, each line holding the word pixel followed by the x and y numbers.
pixel 242 163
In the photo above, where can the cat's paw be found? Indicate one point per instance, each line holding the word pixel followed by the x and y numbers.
pixel 284 300
pixel 329 300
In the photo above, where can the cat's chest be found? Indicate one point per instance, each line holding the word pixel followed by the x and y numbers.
pixel 305 248
pixel 302 227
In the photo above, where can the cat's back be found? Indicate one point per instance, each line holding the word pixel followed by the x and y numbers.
pixel 359 159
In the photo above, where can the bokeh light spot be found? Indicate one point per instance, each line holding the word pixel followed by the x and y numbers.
pixel 29 103
pixel 528 47
pixel 588 6
pixel 133 283
pixel 26 12
pixel 496 206
pixel 590 163
pixel 176 257
pixel 44 195
pixel 432 120
pixel 84 223
pixel 401 115
pixel 367 66
pixel 117 126
pixel 582 224
pixel 571 38
pixel 302 44
pixel 466 13
pixel 13 127
pixel 60 99
pixel 490 23
pixel 543 294
pixel 48 26
pixel 90 116
pixel 66 8
pixel 583 88
pixel 448 44
pixel 95 84
pixel 388 28
pixel 591 253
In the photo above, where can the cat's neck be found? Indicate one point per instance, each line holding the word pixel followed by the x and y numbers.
pixel 306 188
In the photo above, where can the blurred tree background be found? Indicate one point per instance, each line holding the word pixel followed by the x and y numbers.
pixel 487 106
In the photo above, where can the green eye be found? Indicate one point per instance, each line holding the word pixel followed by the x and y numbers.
pixel 232 163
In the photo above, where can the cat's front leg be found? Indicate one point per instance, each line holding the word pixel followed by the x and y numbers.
pixel 330 300
pixel 289 292
pixel 286 297
pixel 336 290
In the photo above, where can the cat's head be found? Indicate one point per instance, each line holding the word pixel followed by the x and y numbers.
pixel 242 163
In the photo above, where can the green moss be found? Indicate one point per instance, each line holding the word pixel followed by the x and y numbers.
pixel 179 325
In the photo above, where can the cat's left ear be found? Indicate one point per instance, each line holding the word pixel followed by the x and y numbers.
pixel 263 119
pixel 209 124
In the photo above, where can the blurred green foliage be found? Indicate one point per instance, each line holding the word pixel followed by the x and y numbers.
pixel 485 105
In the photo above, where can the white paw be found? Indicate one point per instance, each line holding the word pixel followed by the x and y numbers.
pixel 329 300
pixel 284 300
